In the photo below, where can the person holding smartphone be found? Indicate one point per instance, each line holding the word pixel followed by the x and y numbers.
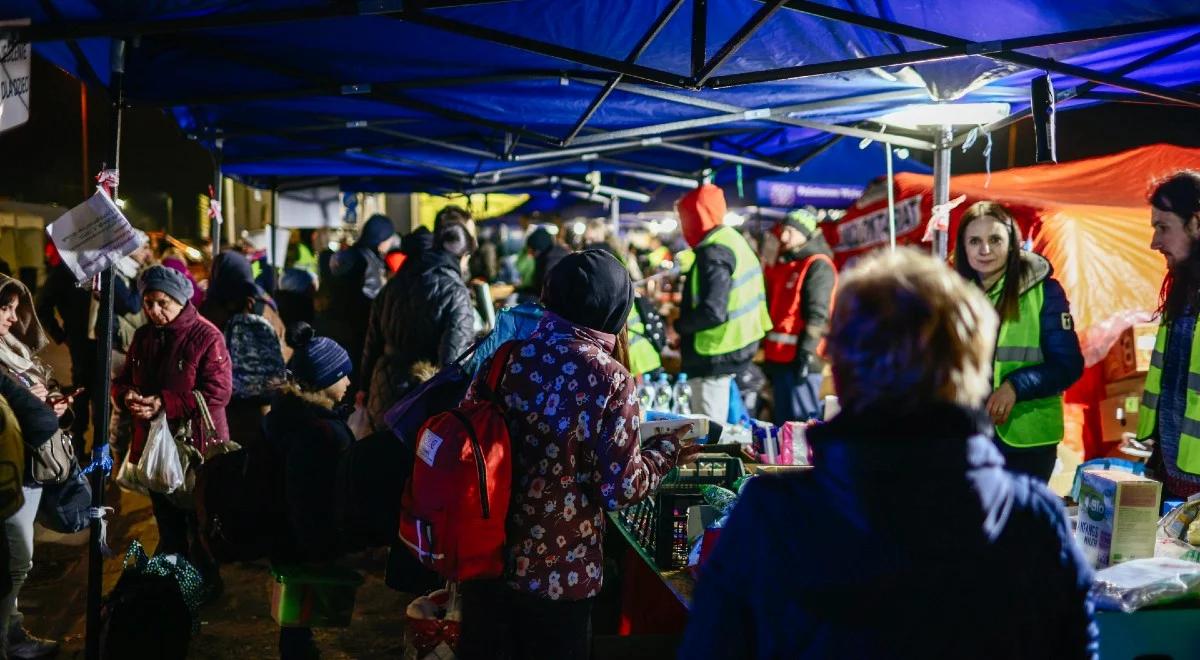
pixel 21 338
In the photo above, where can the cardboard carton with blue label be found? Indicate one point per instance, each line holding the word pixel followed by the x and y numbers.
pixel 1118 516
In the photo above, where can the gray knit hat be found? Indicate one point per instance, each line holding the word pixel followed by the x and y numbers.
pixel 167 280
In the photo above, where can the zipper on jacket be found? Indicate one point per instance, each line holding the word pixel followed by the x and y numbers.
pixel 480 467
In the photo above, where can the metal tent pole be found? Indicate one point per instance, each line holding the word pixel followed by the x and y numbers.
pixel 614 216
pixel 941 185
pixel 891 196
pixel 102 380
pixel 218 194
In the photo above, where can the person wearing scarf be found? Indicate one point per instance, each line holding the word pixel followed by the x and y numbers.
pixel 21 338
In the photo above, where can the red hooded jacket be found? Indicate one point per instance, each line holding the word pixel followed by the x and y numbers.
pixel 701 211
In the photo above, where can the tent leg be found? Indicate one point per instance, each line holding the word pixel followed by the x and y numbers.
pixel 614 216
pixel 941 184
pixel 891 197
pixel 274 251
pixel 218 194
pixel 102 380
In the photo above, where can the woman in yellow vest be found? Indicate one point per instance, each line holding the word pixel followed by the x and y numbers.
pixel 1037 353
pixel 1170 411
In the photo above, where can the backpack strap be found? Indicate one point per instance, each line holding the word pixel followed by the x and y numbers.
pixel 499 363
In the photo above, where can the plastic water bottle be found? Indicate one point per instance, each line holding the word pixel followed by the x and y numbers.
pixel 645 393
pixel 682 396
pixel 662 394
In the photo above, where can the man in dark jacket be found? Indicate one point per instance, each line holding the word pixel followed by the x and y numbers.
pixel 908 539
pixel 724 311
pixel 357 275
pixel 546 253
pixel 800 284
pixel 423 316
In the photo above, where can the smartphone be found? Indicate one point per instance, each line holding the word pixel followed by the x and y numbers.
pixel 60 396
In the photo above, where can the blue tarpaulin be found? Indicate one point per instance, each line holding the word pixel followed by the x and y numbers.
pixel 393 95
pixel 834 178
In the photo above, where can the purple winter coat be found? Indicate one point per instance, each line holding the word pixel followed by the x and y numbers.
pixel 186 354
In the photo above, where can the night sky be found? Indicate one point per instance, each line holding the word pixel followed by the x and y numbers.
pixel 43 160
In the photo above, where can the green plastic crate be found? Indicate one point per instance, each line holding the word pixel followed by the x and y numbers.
pixel 306 596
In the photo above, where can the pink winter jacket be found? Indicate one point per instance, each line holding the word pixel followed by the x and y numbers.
pixel 186 354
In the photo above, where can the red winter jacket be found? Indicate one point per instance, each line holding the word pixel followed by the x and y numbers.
pixel 186 354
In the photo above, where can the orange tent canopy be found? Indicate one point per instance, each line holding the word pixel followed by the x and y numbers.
pixel 1090 218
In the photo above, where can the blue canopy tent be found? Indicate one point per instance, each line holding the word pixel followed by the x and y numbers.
pixel 528 95
pixel 832 178
pixel 456 94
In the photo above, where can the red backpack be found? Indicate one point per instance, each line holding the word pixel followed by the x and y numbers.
pixel 455 504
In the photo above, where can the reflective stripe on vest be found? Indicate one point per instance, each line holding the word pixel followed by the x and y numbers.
pixel 1037 422
pixel 747 320
pixel 1188 459
pixel 642 356
pixel 785 298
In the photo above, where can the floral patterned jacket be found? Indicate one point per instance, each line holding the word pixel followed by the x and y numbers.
pixel 573 415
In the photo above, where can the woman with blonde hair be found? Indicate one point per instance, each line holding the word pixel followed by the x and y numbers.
pixel 1037 354
pixel 908 502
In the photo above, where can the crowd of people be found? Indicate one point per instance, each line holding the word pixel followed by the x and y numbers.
pixel 954 371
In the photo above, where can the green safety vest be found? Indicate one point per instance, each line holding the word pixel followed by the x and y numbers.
pixel 685 260
pixel 305 259
pixel 1037 422
pixel 747 319
pixel 642 356
pixel 1189 430
pixel 526 264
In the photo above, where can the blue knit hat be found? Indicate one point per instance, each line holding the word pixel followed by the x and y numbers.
pixel 167 280
pixel 317 362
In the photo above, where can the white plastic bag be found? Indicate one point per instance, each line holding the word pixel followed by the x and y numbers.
pixel 128 476
pixel 1138 583
pixel 359 422
pixel 160 469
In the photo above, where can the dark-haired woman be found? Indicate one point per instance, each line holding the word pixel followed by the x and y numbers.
pixel 1037 352
pixel 305 432
pixel 1170 411
pixel 21 338
pixel 177 353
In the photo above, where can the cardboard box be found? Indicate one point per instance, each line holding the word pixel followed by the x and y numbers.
pixel 1118 516
pixel 1130 356
pixel 651 428
pixel 1126 387
pixel 1111 427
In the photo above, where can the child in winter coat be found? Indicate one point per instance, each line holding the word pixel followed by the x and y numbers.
pixel 306 431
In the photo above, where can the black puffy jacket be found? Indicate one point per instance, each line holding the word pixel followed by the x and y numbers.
pixel 422 315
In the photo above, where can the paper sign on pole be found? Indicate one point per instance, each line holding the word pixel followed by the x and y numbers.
pixel 14 80
pixel 93 236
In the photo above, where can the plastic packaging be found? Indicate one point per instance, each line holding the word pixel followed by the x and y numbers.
pixel 1140 583
pixel 434 622
pixel 832 407
pixel 645 394
pixel 313 596
pixel 682 396
pixel 160 469
pixel 662 394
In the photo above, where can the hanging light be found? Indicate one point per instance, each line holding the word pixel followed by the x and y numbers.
pixel 945 114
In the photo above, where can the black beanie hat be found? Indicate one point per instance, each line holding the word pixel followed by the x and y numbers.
pixel 539 241
pixel 591 289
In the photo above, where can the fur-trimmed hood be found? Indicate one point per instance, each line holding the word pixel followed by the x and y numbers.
pixel 28 329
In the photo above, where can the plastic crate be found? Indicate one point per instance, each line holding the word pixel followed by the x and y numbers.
pixel 306 596
pixel 659 523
